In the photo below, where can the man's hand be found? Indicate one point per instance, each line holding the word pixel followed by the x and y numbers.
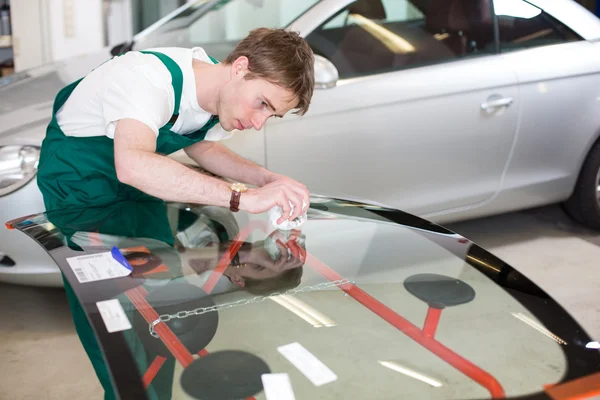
pixel 281 191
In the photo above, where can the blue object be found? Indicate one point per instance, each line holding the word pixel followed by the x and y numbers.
pixel 117 255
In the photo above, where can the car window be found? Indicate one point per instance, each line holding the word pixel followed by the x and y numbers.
pixel 522 25
pixel 374 36
pixel 221 27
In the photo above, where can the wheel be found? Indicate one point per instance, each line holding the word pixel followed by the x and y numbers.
pixel 584 203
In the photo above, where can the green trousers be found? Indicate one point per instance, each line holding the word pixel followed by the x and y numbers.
pixel 89 342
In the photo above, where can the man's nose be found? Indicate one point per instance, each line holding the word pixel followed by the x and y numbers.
pixel 258 120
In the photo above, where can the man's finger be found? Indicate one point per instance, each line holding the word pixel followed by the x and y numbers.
pixel 285 208
pixel 301 191
pixel 297 204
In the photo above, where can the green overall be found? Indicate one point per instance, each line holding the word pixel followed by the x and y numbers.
pixel 77 172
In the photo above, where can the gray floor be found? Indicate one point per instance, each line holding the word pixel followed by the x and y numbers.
pixel 41 357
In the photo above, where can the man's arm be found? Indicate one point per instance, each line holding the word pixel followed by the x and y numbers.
pixel 218 159
pixel 139 166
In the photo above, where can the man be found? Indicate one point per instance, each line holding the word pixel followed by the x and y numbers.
pixel 111 131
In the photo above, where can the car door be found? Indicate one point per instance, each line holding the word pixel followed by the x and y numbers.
pixel 559 76
pixel 423 117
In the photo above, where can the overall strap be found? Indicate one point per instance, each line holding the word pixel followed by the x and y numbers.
pixel 176 76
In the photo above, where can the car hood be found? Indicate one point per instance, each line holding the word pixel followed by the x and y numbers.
pixel 27 96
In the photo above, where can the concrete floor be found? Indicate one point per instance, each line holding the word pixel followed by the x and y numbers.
pixel 41 357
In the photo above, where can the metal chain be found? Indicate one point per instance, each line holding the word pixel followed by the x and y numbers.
pixel 243 302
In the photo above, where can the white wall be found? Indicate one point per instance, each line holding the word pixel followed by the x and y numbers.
pixel 52 30
pixel 119 21
pixel 75 27
pixel 27 31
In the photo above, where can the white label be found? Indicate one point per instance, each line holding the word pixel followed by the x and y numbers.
pixel 277 387
pixel 113 315
pixel 97 267
pixel 308 364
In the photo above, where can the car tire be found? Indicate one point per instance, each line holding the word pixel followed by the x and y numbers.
pixel 584 204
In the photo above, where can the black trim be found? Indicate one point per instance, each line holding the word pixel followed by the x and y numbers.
pixel 496 28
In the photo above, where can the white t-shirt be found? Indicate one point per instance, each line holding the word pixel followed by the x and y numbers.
pixel 137 86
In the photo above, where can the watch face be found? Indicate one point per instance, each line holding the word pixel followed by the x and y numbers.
pixel 238 187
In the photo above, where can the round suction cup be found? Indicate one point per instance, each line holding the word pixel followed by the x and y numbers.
pixel 195 332
pixel 439 291
pixel 224 375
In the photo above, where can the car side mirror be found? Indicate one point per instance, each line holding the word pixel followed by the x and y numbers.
pixel 326 74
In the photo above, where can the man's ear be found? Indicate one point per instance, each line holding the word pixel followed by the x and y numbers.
pixel 239 68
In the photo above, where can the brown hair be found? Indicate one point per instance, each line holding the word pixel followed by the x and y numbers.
pixel 282 58
pixel 287 280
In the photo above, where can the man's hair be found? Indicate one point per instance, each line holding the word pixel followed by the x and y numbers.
pixel 282 58
pixel 263 287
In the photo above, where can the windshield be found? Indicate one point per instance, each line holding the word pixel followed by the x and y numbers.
pixel 389 307
pixel 220 26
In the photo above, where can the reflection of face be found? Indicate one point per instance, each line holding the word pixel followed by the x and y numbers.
pixel 258 263
pixel 257 272
pixel 246 104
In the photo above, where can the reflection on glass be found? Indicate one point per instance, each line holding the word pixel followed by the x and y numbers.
pixel 538 327
pixel 218 28
pixel 411 373
pixel 304 311
pixel 395 43
pixel 516 8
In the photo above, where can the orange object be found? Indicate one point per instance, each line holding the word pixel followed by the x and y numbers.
pixel 138 297
pixel 578 389
pixel 471 370
pixel 203 353
pixel 153 370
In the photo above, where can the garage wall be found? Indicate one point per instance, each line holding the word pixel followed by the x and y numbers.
pixel 75 27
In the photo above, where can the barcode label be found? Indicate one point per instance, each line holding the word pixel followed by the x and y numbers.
pixel 81 276
pixel 96 267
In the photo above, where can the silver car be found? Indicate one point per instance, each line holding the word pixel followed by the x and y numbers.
pixel 448 109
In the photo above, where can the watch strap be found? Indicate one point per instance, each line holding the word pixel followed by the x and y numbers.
pixel 234 203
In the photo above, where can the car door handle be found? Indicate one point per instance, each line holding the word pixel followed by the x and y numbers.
pixel 491 105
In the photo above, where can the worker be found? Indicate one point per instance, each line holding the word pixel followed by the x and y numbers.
pixel 111 131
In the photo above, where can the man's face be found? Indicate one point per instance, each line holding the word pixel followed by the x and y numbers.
pixel 247 104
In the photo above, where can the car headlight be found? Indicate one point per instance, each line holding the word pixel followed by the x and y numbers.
pixel 18 166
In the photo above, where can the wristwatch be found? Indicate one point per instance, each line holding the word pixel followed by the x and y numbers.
pixel 236 192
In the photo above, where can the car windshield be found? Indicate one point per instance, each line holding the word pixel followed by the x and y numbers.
pixel 361 302
pixel 219 26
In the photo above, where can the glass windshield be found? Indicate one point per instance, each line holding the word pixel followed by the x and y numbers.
pixel 361 302
pixel 220 26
